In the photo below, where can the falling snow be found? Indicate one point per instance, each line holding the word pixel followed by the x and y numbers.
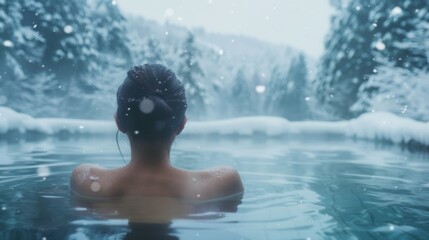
pixel 380 46
pixel 396 11
pixel 8 43
pixel 260 88
pixel 68 29
pixel 169 12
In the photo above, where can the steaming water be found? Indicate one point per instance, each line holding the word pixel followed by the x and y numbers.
pixel 295 189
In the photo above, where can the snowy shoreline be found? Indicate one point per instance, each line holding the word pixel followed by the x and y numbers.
pixel 379 126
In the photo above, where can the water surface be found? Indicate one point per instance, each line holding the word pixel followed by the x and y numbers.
pixel 323 188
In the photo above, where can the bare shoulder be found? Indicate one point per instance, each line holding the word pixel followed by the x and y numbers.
pixel 232 178
pixel 85 179
pixel 227 173
pixel 226 179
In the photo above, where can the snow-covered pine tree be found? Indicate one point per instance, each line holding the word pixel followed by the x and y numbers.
pixel 154 51
pixel 276 89
pixel 348 60
pixel 257 84
pixel 241 97
pixel 58 46
pixel 110 27
pixel 366 35
pixel 396 90
pixel 71 48
pixel 401 84
pixel 9 67
pixel 20 50
pixel 297 78
pixel 393 22
pixel 113 56
pixel 190 72
pixel 286 92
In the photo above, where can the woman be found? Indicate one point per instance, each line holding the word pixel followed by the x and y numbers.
pixel 151 111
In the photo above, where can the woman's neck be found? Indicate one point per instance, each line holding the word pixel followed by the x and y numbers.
pixel 150 154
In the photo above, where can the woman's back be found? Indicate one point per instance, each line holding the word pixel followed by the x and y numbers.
pixel 92 181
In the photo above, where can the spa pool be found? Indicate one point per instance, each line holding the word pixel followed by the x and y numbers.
pixel 324 188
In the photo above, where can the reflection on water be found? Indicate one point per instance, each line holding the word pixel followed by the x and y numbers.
pixel 324 188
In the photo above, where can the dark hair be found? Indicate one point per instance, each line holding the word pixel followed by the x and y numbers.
pixel 151 102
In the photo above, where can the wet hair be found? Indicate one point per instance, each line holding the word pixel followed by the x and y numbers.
pixel 151 102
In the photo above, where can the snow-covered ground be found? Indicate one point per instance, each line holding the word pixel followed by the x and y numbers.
pixel 374 126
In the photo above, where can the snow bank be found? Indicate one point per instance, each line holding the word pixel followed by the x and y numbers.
pixel 11 121
pixel 374 126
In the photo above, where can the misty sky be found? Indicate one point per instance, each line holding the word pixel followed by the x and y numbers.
pixel 299 23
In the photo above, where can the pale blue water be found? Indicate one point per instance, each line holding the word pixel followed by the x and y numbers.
pixel 295 189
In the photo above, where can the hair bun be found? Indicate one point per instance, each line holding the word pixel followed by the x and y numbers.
pixel 146 111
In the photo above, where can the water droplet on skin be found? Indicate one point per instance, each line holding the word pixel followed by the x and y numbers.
pixel 95 186
pixel 198 195
pixel 93 178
